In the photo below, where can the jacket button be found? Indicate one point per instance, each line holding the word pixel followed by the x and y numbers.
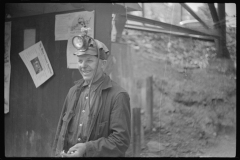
pixel 79 139
pixel 83 111
pixel 80 125
pixel 86 97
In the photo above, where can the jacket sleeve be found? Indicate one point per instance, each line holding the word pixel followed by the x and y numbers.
pixel 116 144
pixel 59 126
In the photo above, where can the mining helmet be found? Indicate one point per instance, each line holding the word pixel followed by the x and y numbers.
pixel 85 44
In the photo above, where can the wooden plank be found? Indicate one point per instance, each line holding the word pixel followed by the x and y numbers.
pixel 167 26
pixel 50 87
pixel 30 87
pixel 159 30
pixel 22 99
pixel 194 14
pixel 25 98
pixel 21 110
pixel 136 132
pixel 30 110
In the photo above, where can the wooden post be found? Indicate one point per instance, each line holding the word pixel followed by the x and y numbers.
pixel 149 103
pixel 222 23
pixel 143 96
pixel 136 132
pixel 141 92
pixel 217 44
pixel 142 137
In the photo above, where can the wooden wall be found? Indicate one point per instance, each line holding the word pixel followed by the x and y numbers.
pixel 31 123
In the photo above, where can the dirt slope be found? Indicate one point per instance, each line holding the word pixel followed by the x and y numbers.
pixel 194 109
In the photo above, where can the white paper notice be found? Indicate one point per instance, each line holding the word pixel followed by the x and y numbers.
pixel 37 63
pixel 7 66
pixel 71 23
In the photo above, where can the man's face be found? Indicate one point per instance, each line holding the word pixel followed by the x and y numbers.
pixel 87 64
pixel 37 64
pixel 81 21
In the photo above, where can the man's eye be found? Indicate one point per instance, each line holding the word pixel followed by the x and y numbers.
pixel 80 61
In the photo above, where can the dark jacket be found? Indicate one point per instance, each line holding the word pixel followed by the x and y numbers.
pixel 110 131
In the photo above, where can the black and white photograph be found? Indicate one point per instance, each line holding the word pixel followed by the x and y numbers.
pixel 36 65
pixel 133 79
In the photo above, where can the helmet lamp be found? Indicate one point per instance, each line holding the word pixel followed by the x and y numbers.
pixel 80 42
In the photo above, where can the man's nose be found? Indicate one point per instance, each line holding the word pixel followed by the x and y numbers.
pixel 83 65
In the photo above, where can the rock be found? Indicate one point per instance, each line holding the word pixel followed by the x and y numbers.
pixel 166 144
pixel 154 129
pixel 174 144
pixel 178 130
pixel 155 146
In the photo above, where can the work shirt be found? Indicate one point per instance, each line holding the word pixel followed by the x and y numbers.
pixel 109 132
pixel 79 126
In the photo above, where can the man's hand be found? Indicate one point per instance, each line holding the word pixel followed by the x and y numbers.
pixel 76 151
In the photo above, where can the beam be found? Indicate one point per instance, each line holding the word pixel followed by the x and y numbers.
pixel 194 14
pixel 167 26
pixel 222 24
pixel 221 12
pixel 159 30
pixel 213 13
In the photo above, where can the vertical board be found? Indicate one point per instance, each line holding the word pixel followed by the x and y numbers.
pixel 136 131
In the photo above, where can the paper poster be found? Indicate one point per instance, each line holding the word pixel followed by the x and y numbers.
pixel 7 66
pixel 37 63
pixel 71 24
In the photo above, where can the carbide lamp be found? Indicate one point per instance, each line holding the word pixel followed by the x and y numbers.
pixel 81 41
pixel 77 42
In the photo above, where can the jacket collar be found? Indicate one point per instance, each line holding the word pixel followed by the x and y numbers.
pixel 107 83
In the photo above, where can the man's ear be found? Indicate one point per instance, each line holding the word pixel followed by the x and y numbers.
pixel 104 64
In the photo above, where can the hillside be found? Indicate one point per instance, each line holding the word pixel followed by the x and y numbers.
pixel 194 95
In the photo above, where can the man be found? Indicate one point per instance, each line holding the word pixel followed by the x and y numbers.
pixel 81 22
pixel 37 66
pixel 101 128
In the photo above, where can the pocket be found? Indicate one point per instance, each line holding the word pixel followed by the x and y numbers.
pixel 72 126
pixel 103 129
pixel 66 119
